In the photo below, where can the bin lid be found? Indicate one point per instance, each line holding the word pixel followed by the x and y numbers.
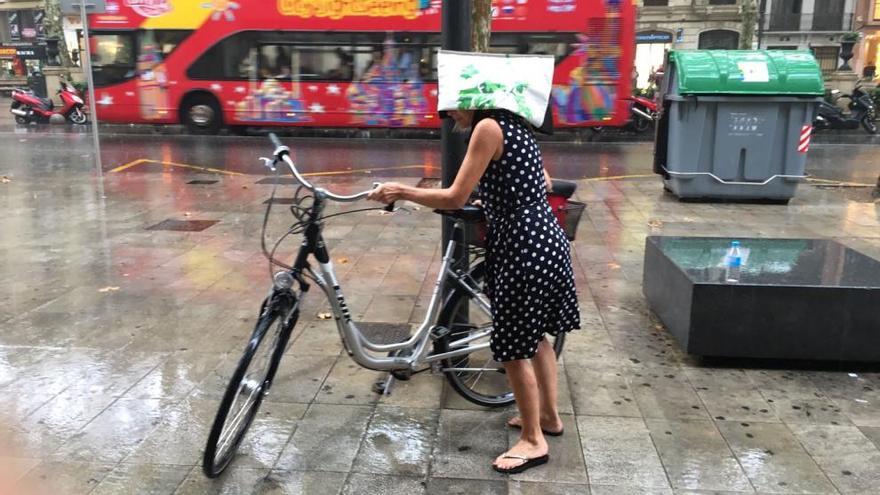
pixel 747 72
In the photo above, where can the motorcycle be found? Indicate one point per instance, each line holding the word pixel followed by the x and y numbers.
pixel 862 112
pixel 29 107
pixel 643 113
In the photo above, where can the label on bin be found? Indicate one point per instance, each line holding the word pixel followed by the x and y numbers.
pixel 754 71
pixel 745 124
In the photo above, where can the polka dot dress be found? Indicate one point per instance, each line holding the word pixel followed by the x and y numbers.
pixel 529 277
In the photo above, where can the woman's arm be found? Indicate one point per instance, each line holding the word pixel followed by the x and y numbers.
pixel 486 142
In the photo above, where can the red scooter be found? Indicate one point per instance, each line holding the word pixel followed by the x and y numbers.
pixel 29 107
pixel 643 113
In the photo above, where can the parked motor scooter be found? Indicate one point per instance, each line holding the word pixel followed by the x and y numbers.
pixel 29 107
pixel 643 113
pixel 862 112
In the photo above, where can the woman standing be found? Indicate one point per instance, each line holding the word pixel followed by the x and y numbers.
pixel 529 276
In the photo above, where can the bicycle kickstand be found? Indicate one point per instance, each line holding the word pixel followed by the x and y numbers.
pixel 384 385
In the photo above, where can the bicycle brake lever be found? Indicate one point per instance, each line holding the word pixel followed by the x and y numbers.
pixel 390 206
pixel 268 162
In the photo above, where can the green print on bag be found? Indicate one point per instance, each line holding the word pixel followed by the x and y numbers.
pixel 475 81
pixel 487 94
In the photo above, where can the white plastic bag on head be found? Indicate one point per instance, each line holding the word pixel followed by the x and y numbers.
pixel 474 81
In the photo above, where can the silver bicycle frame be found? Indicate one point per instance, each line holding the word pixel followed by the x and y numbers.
pixel 358 345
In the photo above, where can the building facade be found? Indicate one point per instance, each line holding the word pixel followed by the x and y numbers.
pixel 680 24
pixel 867 22
pixel 22 38
pixel 816 25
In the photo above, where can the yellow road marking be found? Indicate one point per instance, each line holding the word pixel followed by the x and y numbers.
pixel 620 177
pixel 141 161
pixel 130 164
pixel 838 183
pixel 368 170
pixel 172 164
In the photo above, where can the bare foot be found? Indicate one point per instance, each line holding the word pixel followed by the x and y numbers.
pixel 552 426
pixel 522 448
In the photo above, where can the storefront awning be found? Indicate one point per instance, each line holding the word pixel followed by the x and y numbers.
pixel 20 5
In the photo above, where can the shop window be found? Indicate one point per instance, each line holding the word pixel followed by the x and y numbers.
pixel 656 3
pixel 722 2
pixel 719 39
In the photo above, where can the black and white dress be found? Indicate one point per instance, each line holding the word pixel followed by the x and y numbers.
pixel 529 278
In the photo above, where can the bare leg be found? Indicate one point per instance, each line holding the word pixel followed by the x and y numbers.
pixel 544 364
pixel 531 442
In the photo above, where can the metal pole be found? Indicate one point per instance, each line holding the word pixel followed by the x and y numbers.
pixel 87 67
pixel 455 35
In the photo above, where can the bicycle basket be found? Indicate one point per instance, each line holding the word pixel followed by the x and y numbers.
pixel 475 234
pixel 571 217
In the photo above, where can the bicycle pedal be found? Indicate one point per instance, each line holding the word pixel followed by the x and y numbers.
pixel 439 332
pixel 402 375
pixel 379 386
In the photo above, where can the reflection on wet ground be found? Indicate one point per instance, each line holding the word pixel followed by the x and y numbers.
pixel 116 341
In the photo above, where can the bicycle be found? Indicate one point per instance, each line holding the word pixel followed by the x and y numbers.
pixel 441 344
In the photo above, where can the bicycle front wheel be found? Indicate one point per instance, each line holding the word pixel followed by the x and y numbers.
pixel 249 384
pixel 476 376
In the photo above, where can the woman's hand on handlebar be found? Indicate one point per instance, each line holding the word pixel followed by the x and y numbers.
pixel 388 192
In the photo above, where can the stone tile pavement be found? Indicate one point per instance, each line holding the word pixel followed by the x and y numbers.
pixel 116 342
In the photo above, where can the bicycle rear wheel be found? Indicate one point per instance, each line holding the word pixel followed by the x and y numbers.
pixel 476 376
pixel 249 383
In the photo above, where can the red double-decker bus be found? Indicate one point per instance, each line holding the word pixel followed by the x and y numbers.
pixel 338 63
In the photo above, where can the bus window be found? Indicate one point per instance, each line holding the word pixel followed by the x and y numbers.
pixel 168 39
pixel 113 57
pixel 306 63
pixel 558 44
pixel 229 59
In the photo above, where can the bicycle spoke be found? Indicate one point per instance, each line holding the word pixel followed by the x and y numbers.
pixel 237 419
pixel 480 374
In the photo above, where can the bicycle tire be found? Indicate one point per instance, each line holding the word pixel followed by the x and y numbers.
pixel 458 380
pixel 270 318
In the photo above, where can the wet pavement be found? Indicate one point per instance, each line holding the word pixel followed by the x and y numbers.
pixel 116 341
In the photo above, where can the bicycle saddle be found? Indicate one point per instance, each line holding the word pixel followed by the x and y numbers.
pixel 564 188
pixel 468 214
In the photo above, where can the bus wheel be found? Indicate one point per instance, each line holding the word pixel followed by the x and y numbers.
pixel 201 115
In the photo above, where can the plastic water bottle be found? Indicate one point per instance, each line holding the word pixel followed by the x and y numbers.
pixel 733 263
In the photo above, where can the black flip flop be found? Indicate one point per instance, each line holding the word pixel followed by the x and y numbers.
pixel 528 464
pixel 545 432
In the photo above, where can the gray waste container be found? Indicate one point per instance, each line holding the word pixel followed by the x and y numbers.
pixel 736 124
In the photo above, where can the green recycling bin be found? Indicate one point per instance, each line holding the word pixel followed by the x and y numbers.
pixel 736 124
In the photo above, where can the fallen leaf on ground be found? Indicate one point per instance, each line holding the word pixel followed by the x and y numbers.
pixel 244 187
pixel 5 180
pixel 655 224
pixel 342 261
pixel 108 289
pixel 186 213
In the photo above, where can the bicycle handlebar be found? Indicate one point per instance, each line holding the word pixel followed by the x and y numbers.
pixel 282 153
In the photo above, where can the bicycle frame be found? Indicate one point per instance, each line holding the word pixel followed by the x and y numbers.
pixel 355 342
